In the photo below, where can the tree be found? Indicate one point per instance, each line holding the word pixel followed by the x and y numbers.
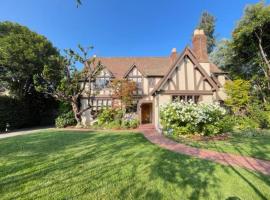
pixel 246 55
pixel 250 44
pixel 23 54
pixel 123 89
pixel 79 2
pixel 207 23
pixel 221 54
pixel 73 84
pixel 238 95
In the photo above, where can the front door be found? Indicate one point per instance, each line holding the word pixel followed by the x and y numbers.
pixel 146 113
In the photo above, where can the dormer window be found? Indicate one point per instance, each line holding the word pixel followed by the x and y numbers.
pixel 103 80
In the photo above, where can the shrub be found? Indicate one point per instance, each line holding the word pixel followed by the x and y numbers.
pixel 133 123
pixel 65 119
pixel 187 117
pixel 245 123
pixel 130 120
pixel 211 129
pixel 259 114
pixel 226 124
pixel 108 115
pixel 114 125
pixel 115 119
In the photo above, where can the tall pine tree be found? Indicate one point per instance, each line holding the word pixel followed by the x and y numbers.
pixel 207 23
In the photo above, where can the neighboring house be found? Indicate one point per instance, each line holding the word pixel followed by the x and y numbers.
pixel 160 80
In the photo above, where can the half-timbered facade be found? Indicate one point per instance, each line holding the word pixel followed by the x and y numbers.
pixel 160 80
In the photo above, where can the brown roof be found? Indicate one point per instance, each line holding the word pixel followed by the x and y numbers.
pixel 149 66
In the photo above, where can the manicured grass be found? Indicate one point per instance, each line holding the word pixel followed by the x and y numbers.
pixel 252 144
pixel 100 165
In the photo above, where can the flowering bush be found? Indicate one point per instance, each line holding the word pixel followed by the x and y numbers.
pixel 130 120
pixel 114 118
pixel 187 118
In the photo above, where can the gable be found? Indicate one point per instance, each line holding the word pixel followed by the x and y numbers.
pixel 105 73
pixel 186 76
pixel 133 72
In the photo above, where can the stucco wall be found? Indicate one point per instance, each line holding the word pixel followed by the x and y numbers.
pixel 160 100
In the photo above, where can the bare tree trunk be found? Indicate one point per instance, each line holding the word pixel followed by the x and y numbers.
pixel 76 110
pixel 264 57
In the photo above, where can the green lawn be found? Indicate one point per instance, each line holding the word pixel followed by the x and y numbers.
pixel 246 144
pixel 100 165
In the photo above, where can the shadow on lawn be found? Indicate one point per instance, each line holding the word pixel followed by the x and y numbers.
pixel 47 149
pixel 125 163
pixel 188 173
pixel 254 145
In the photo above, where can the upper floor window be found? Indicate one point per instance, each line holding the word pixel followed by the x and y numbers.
pixel 136 76
pixel 102 80
pixel 151 82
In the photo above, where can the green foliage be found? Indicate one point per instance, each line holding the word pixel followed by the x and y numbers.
pixel 109 115
pixel 114 118
pixel 188 118
pixel 24 54
pixel 65 116
pixel 259 115
pixel 131 123
pixel 226 124
pixel 222 57
pixel 71 84
pixel 238 95
pixel 12 112
pixel 245 123
pixel 254 24
pixel 207 23
pixel 246 55
pixel 65 119
pixel 26 112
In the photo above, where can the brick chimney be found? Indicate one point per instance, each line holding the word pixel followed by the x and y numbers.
pixel 199 42
pixel 173 55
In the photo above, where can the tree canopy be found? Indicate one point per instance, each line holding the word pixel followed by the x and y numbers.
pixel 24 54
pixel 246 54
pixel 207 23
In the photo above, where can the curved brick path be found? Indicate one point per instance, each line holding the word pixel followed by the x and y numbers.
pixel 250 163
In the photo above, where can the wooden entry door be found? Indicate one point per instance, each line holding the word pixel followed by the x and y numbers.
pixel 146 113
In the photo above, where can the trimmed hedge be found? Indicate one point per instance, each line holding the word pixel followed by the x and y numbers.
pixel 13 112
pixel 27 112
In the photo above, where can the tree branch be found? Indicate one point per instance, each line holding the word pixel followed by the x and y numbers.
pixel 262 52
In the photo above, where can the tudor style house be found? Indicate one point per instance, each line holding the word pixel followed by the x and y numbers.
pixel 160 80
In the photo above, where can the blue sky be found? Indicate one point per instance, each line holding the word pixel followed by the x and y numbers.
pixel 122 27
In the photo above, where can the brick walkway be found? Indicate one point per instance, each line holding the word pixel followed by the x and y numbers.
pixel 250 163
